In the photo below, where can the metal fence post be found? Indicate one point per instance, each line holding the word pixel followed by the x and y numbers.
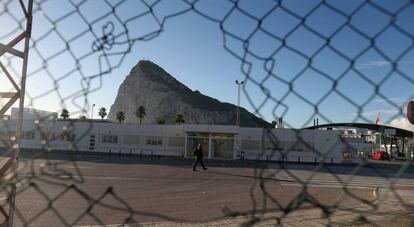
pixel 21 94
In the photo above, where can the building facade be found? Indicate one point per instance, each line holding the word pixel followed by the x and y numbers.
pixel 43 130
pixel 218 141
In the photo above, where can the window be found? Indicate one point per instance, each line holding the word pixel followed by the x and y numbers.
pixel 68 137
pixel 222 135
pixel 109 139
pixel 198 134
pixel 92 142
pixel 154 141
pixel 29 135
pixel 223 148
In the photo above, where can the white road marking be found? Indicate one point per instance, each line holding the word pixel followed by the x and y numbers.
pixel 103 177
pixel 63 166
pixel 328 180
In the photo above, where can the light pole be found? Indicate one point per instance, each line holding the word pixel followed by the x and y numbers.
pixel 93 105
pixel 238 102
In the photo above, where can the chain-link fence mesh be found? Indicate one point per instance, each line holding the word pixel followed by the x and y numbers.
pixel 315 36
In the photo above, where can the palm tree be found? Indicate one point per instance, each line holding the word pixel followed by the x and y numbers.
pixel 120 116
pixel 179 119
pixel 140 113
pixel 161 121
pixel 102 112
pixel 64 114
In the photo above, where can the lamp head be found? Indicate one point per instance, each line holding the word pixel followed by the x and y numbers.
pixel 239 82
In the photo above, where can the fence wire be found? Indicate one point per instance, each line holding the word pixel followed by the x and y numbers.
pixel 105 38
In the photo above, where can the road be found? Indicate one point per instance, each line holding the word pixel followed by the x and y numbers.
pixel 58 191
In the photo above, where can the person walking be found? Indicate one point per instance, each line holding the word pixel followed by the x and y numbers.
pixel 198 153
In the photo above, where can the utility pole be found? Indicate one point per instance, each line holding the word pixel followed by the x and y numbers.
pixel 239 83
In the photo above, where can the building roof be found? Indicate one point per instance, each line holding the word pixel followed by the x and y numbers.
pixel 399 132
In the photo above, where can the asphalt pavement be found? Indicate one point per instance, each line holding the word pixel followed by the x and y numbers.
pixel 66 190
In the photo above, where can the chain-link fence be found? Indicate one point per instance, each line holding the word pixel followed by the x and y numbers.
pixel 286 50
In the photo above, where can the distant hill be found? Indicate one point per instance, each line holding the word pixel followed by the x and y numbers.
pixel 163 97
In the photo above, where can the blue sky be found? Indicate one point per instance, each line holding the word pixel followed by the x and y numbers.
pixel 206 55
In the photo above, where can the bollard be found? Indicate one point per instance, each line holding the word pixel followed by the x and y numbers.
pixel 315 160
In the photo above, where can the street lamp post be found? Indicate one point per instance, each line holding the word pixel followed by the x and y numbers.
pixel 92 111
pixel 238 102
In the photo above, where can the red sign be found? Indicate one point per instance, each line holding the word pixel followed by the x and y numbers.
pixel 410 112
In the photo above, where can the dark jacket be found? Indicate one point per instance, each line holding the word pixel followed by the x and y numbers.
pixel 198 153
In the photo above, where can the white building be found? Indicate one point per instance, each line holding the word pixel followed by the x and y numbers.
pixel 362 139
pixel 219 141
pixel 33 114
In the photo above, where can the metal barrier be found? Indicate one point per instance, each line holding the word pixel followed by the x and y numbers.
pixel 110 38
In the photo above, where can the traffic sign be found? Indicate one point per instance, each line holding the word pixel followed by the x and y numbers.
pixel 410 112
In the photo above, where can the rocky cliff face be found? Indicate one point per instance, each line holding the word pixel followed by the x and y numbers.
pixel 163 97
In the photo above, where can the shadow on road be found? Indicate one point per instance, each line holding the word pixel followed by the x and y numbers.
pixel 385 170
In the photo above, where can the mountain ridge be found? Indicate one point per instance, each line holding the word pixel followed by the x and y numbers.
pixel 163 97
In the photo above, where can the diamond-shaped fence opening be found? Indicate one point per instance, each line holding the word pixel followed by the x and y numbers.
pixel 287 51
